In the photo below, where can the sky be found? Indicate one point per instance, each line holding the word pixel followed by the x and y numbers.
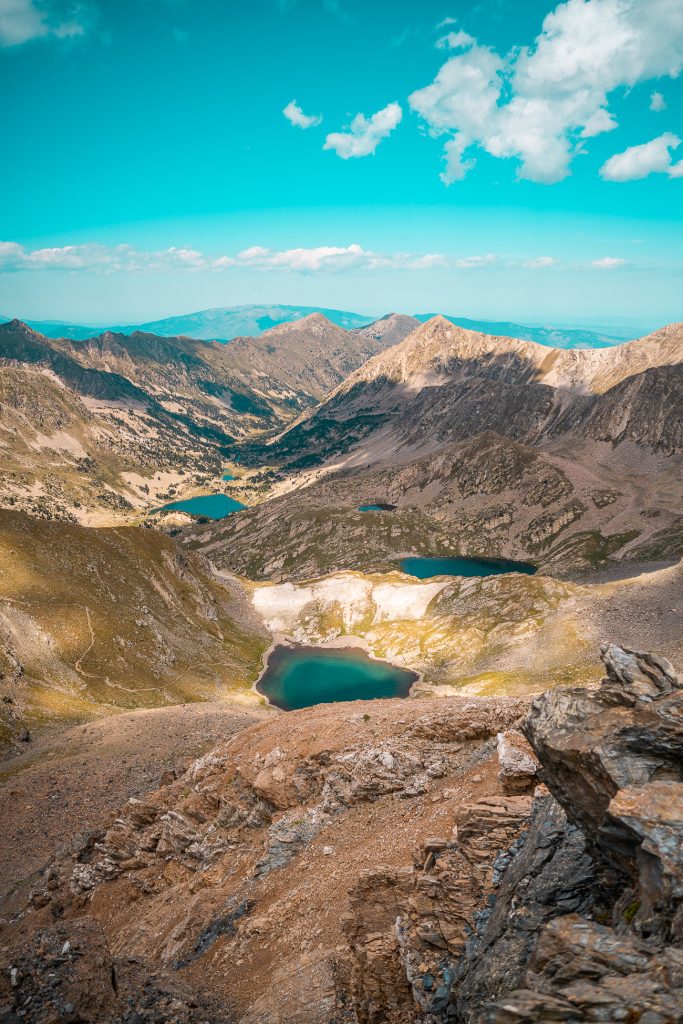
pixel 492 159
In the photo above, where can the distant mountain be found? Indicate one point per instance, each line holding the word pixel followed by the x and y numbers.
pixel 389 329
pixel 221 324
pixel 61 328
pixel 226 323
pixel 553 337
pixel 136 403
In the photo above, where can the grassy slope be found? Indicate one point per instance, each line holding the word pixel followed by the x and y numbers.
pixel 95 620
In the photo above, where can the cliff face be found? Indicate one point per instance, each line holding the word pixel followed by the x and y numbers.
pixel 274 882
pixel 567 907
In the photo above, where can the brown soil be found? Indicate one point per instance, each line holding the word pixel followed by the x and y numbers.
pixel 70 784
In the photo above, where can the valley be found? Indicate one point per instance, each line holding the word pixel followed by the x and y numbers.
pixel 341 512
pixel 463 446
pixel 219 564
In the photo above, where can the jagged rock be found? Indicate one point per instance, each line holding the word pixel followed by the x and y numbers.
pixel 518 766
pixel 563 907
pixel 582 971
pixel 409 929
pixel 68 973
pixel 613 757
pixel 545 873
pixel 510 905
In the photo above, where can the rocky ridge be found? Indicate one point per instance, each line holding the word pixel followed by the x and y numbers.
pixel 561 903
pixel 444 384
pixel 146 418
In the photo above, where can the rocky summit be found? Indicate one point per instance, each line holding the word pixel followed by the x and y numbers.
pixel 487 860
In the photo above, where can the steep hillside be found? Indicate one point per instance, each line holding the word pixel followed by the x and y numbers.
pixel 94 620
pixel 443 383
pixel 303 360
pixel 163 413
pixel 484 496
pixel 252 384
pixel 65 455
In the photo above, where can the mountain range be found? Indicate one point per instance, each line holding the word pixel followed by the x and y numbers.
pixel 175 848
pixel 482 444
pixel 226 323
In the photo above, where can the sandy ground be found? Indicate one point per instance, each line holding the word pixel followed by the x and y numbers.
pixel 69 784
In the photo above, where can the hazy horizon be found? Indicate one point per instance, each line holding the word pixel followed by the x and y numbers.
pixel 496 161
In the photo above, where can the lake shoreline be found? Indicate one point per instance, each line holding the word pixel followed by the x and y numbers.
pixel 347 641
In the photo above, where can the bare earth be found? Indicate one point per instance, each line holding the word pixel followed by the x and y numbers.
pixel 70 784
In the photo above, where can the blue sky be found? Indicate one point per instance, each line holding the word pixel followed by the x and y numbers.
pixel 514 161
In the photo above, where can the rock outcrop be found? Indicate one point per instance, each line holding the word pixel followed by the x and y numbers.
pixel 568 909
pixel 273 883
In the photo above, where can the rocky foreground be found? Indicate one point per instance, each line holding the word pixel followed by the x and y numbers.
pixel 472 860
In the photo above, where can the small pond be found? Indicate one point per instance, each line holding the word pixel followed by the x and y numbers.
pixel 213 506
pixel 298 677
pixel 228 476
pixel 424 568
pixel 380 507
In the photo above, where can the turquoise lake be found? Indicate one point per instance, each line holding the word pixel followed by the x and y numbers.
pixel 228 476
pixel 298 677
pixel 376 508
pixel 424 568
pixel 213 506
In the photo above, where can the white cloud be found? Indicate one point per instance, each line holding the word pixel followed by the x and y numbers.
pixel 657 102
pixel 296 116
pixel 24 20
pixel 607 263
pixel 445 22
pixel 455 41
pixel 322 259
pixel 466 262
pixel 539 102
pixel 102 259
pixel 638 162
pixel 540 263
pixel 365 134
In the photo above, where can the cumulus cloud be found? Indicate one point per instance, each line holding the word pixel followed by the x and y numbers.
pixel 657 102
pixel 322 259
pixel 24 20
pixel 539 103
pixel 455 41
pixel 102 259
pixel 637 162
pixel 296 116
pixel 97 258
pixel 607 263
pixel 365 134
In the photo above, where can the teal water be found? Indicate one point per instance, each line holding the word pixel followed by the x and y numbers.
pixel 423 568
pixel 213 506
pixel 376 508
pixel 228 476
pixel 298 677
